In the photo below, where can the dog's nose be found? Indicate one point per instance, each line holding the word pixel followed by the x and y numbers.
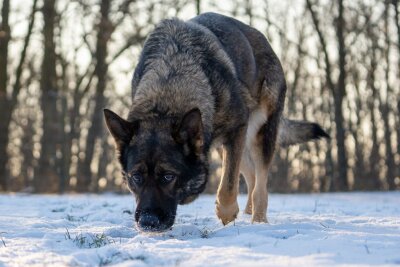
pixel 149 222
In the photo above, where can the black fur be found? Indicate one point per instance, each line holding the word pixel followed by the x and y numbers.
pixel 196 84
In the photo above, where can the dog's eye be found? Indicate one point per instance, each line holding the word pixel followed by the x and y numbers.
pixel 168 178
pixel 135 177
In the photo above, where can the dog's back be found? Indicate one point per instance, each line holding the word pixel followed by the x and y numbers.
pixel 254 61
pixel 248 49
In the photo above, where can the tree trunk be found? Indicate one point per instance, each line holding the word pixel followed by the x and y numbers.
pixel 384 107
pixel 63 162
pixel 374 156
pixel 198 7
pixel 27 148
pixel 397 23
pixel 339 95
pixel 4 40
pixel 359 168
pixel 373 181
pixel 338 90
pixel 105 29
pixel 48 174
pixel 103 161
pixel 5 119
pixel 7 104
pixel 4 109
pixel 342 182
pixel 327 182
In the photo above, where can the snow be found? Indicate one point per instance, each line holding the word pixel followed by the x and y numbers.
pixel 342 229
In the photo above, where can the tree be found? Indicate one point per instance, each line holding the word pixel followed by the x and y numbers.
pixel 198 7
pixel 105 29
pixel 9 102
pixel 385 106
pixel 395 4
pixel 4 103
pixel 338 88
pixel 47 177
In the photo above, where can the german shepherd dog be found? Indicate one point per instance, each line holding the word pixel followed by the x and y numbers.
pixel 208 82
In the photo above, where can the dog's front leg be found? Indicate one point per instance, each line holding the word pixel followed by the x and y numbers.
pixel 227 207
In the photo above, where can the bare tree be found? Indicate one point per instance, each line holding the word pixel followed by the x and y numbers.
pixel 47 177
pixel 337 88
pixel 4 109
pixel 198 7
pixel 105 29
pixel 359 169
pixel 8 102
pixel 372 179
pixel 395 4
pixel 385 106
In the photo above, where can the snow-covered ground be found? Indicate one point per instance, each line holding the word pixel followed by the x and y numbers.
pixel 347 229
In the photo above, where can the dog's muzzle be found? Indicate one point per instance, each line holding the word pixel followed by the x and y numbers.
pixel 151 222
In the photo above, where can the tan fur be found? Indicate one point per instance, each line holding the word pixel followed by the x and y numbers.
pixel 227 73
pixel 248 171
pixel 259 195
pixel 254 165
pixel 226 204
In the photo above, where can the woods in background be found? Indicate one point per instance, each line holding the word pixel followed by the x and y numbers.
pixel 62 62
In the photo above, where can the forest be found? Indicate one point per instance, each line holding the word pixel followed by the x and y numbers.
pixel 63 62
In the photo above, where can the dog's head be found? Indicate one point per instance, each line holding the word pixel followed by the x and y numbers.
pixel 163 162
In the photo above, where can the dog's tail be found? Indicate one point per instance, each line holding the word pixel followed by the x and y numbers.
pixel 293 132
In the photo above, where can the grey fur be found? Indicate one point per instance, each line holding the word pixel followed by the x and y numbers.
pixel 209 81
pixel 293 132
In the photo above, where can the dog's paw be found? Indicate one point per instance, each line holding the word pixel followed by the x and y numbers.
pixel 248 209
pixel 259 218
pixel 227 213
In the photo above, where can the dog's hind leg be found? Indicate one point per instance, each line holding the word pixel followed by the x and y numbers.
pixel 262 162
pixel 263 146
pixel 226 205
pixel 248 171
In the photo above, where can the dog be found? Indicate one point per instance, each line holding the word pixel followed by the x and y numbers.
pixel 212 81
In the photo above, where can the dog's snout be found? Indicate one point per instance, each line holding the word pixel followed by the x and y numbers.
pixel 149 222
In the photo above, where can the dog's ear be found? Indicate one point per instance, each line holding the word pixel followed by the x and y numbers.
pixel 120 129
pixel 190 131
